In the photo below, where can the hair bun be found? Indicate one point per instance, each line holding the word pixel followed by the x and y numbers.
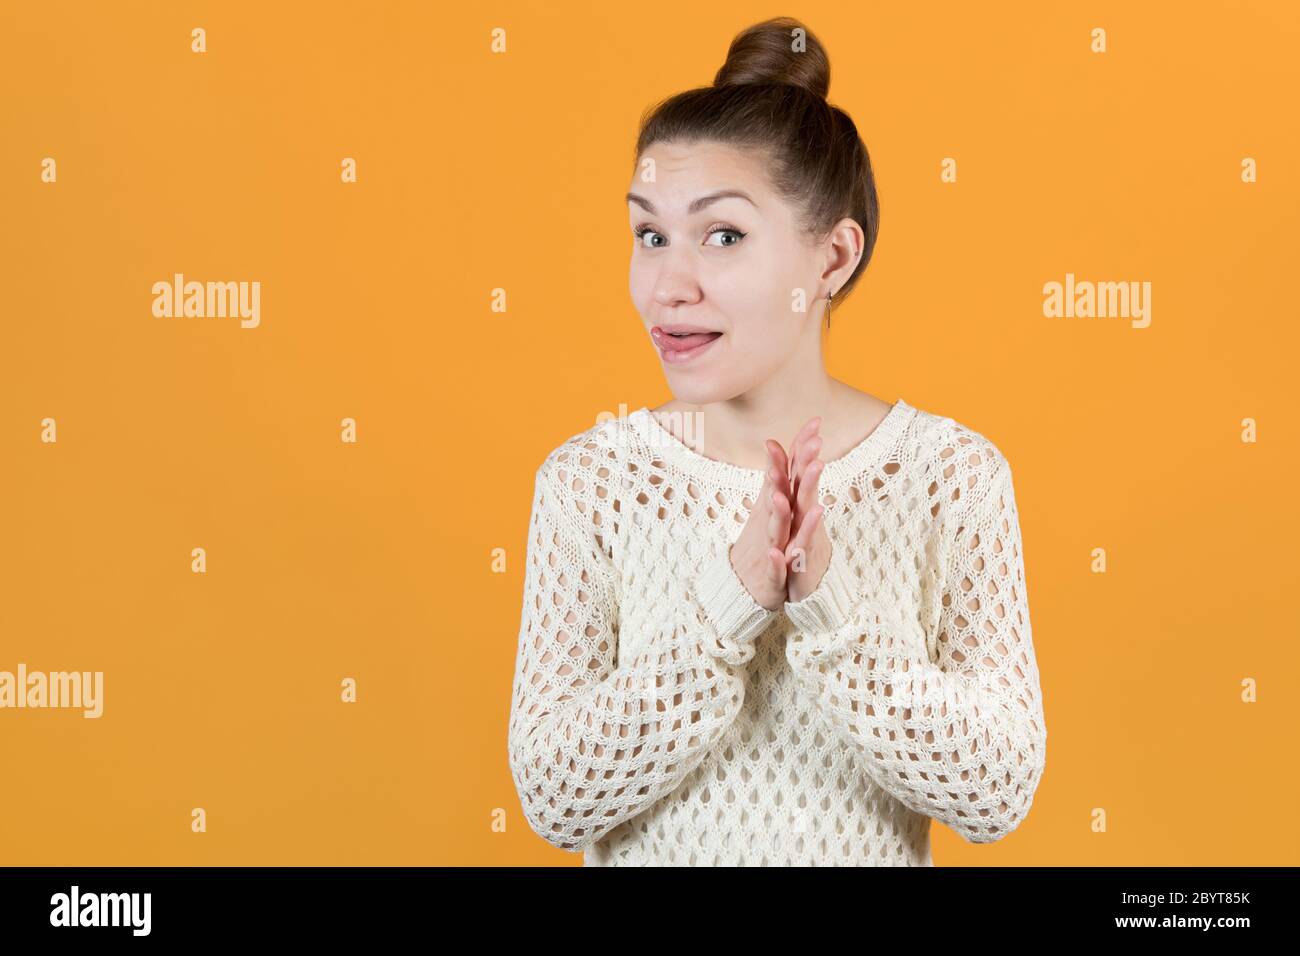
pixel 780 50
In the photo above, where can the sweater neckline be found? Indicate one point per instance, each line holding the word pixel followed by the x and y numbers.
pixel 853 462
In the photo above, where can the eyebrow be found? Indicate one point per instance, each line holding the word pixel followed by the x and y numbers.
pixel 696 204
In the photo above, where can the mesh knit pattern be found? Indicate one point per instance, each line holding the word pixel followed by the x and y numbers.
pixel 661 716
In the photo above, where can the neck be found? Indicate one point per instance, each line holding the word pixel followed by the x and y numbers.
pixel 734 430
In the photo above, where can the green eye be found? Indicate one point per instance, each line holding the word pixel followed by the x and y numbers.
pixel 726 230
pixel 644 231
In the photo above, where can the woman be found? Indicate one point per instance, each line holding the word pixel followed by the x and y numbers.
pixel 730 656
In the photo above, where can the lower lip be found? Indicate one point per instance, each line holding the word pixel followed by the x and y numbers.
pixel 673 357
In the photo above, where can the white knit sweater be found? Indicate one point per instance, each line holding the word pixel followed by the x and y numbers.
pixel 661 716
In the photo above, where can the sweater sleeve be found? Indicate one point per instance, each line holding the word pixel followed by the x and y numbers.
pixel 962 740
pixel 592 744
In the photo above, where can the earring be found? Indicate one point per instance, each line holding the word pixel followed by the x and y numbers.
pixel 828 309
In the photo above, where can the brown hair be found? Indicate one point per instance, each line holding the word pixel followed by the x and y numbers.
pixel 770 94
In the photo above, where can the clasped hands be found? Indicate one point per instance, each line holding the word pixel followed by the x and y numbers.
pixel 783 550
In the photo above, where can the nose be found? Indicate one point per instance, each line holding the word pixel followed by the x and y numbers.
pixel 676 284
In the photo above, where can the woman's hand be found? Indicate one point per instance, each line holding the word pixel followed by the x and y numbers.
pixel 759 554
pixel 783 550
pixel 808 552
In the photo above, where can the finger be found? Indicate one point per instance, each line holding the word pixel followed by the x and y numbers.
pixel 780 462
pixel 784 511
pixel 808 486
pixel 810 428
pixel 807 454
pixel 776 567
pixel 780 529
pixel 803 540
pixel 773 481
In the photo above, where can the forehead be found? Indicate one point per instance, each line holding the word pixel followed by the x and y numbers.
pixel 683 171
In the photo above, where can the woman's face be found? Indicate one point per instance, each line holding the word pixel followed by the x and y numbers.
pixel 728 265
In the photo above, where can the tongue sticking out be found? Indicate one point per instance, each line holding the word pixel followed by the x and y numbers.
pixel 680 343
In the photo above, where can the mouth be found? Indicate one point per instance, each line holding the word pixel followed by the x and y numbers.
pixel 683 347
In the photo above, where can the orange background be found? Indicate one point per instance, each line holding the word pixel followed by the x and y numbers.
pixel 480 171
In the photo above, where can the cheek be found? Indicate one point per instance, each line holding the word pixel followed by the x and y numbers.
pixel 640 285
pixel 759 301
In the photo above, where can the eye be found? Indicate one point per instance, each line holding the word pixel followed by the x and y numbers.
pixel 724 230
pixel 642 231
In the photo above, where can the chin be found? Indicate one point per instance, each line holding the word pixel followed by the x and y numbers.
pixel 693 391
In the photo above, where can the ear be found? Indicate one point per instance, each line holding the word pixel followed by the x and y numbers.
pixel 844 247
